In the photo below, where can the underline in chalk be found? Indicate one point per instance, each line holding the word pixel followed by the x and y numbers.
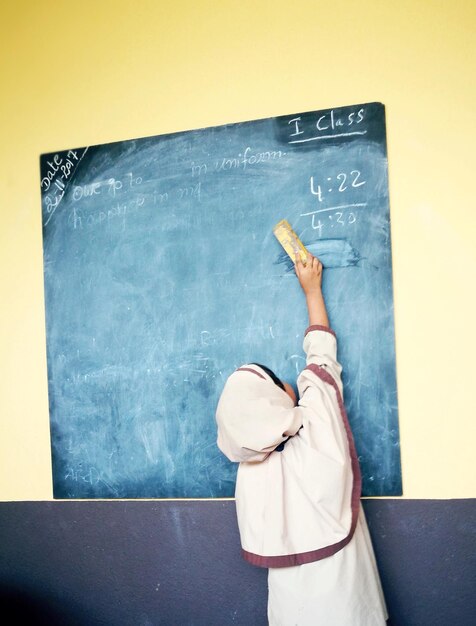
pixel 335 208
pixel 357 132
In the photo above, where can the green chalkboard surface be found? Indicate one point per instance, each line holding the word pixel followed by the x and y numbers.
pixel 162 275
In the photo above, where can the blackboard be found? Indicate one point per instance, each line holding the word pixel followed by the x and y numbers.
pixel 162 276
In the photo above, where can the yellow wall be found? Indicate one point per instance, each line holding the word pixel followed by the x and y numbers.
pixel 81 73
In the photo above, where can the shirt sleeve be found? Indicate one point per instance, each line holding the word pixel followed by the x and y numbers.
pixel 320 346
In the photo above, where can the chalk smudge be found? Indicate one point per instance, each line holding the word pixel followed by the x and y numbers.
pixel 331 252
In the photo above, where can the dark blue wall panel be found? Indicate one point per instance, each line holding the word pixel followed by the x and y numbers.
pixel 178 563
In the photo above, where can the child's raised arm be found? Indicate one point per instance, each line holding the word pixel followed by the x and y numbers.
pixel 310 278
pixel 320 343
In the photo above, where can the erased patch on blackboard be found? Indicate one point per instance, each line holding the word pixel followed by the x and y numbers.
pixel 331 253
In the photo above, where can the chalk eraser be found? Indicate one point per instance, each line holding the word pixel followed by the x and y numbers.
pixel 290 241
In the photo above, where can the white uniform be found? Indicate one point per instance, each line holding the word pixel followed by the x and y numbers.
pixel 341 590
pixel 299 510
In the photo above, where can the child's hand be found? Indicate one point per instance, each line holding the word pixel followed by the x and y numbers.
pixel 309 275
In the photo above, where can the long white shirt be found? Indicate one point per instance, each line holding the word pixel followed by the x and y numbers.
pixel 341 590
pixel 300 508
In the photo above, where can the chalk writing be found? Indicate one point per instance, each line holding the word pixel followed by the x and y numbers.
pixel 59 168
pixel 328 126
pixel 127 205
pixel 336 186
pixel 240 161
pixel 192 192
pixel 345 181
pixel 112 187
pixel 159 198
pixel 337 219
pixel 199 169
pixel 59 171
pixel 78 219
pixel 91 477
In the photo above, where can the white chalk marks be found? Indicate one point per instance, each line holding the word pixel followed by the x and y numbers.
pixel 60 169
pixel 241 161
pixel 316 129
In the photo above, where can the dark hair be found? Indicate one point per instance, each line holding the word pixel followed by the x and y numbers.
pixel 272 375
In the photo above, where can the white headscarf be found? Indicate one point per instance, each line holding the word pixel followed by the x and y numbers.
pixel 254 415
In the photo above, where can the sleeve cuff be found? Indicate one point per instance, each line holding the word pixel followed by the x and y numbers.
pixel 318 327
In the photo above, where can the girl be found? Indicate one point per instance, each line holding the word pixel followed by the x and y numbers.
pixel 298 484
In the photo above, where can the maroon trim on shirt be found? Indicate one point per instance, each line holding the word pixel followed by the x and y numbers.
pixel 249 369
pixel 301 558
pixel 319 327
